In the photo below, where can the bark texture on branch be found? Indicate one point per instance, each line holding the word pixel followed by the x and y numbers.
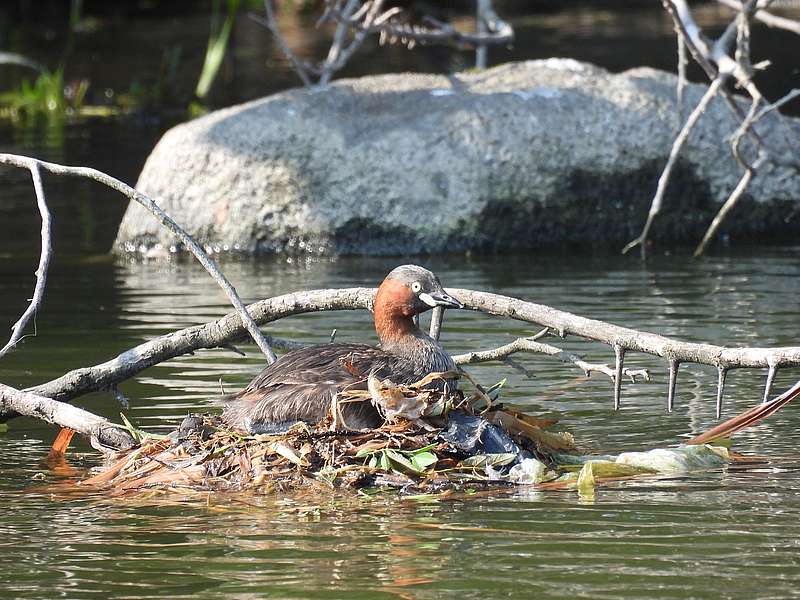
pixel 630 339
pixel 531 345
pixel 222 332
pixel 102 433
pixel 218 333
pixel 724 59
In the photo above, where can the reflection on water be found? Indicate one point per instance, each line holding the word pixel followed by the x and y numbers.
pixel 649 539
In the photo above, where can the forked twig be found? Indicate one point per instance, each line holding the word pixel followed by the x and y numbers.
pixel 663 181
pixel 208 263
pixel 44 263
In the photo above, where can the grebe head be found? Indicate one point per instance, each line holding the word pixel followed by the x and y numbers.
pixel 407 291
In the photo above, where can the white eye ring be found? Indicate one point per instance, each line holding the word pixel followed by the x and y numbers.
pixel 416 287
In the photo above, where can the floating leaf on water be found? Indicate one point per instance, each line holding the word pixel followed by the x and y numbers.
pixel 724 442
pixel 423 460
pixel 586 480
pixel 605 468
pixel 678 460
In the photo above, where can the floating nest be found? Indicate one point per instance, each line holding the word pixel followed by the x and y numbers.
pixel 432 441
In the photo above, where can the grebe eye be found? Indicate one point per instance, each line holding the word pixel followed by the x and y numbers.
pixel 416 287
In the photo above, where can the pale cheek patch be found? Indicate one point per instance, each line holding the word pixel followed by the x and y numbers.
pixel 426 298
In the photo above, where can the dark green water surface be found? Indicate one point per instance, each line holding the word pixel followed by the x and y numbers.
pixel 729 534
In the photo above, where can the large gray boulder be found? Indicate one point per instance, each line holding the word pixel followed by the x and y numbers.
pixel 522 155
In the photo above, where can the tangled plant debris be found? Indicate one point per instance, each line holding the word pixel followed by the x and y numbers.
pixel 432 441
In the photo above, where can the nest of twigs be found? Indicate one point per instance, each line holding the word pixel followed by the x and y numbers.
pixel 432 439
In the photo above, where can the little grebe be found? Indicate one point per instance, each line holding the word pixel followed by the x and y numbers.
pixel 301 384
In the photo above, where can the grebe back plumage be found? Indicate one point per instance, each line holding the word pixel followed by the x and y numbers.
pixel 301 384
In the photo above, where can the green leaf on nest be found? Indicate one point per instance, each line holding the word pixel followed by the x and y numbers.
pixel 489 460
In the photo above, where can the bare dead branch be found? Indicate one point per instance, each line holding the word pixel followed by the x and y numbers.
pixel 529 345
pixel 715 59
pixel 230 328
pixel 682 79
pixel 271 23
pixel 725 209
pixel 777 104
pixel 216 334
pixel 44 262
pixel 437 314
pixel 692 36
pixel 663 181
pixel 769 19
pixel 339 54
pixel 102 433
pixel 356 20
pixel 482 21
pixel 629 339
pixel 165 220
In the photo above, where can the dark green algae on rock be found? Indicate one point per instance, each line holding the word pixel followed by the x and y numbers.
pixel 524 155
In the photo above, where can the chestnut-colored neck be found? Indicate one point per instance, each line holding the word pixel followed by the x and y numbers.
pixel 394 313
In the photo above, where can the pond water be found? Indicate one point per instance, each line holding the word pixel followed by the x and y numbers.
pixel 677 537
pixel 727 534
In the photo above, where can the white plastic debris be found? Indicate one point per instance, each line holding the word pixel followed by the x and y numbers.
pixel 677 460
pixel 528 472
